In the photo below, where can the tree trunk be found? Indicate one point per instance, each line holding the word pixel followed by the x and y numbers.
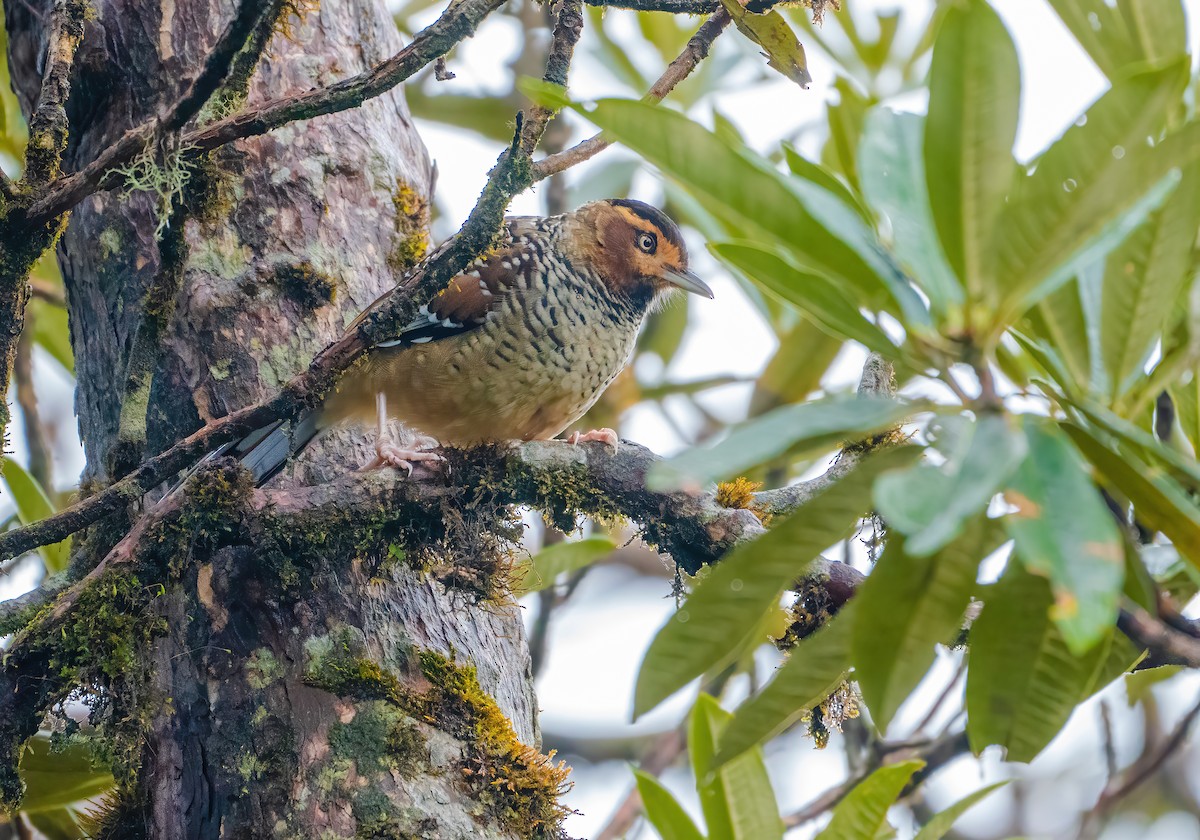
pixel 315 683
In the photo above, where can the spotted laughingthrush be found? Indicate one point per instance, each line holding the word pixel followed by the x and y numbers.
pixel 518 346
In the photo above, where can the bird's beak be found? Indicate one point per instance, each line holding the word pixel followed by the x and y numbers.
pixel 687 281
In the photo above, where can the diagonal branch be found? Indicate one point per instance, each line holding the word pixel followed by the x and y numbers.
pixel 692 54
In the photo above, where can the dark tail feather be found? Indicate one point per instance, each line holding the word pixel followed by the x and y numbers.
pixel 265 451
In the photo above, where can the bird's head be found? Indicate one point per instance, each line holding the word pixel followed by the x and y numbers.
pixel 636 248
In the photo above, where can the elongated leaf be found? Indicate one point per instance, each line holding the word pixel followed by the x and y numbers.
pixel 1064 530
pixel 1094 185
pixel 33 505
pixel 1186 397
pixel 795 430
pixel 1060 321
pixel 545 566
pixel 813 294
pixel 892 174
pixel 737 798
pixel 930 504
pixel 974 94
pixel 813 669
pixel 1140 442
pixel 1118 34
pixel 729 604
pixel 1142 281
pixel 941 823
pixel 863 813
pixel 907 606
pixel 1023 682
pixel 1158 500
pixel 664 813
pixel 804 354
pixel 771 32
pixel 55 780
pixel 59 824
pixel 821 232
pixel 824 178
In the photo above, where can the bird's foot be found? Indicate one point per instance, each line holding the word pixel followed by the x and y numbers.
pixel 390 455
pixel 605 436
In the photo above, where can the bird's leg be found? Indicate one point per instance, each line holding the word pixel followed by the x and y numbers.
pixel 605 436
pixel 387 454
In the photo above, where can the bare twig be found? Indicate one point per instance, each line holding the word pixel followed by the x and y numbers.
pixel 1167 645
pixel 1150 762
pixel 936 754
pixel 693 53
pixel 665 750
pixel 50 293
pixel 879 381
pixel 217 65
pixel 40 463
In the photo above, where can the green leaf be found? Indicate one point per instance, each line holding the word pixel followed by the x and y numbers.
pixel 811 672
pixel 818 297
pixel 771 32
pixel 863 812
pixel 793 430
pixel 939 824
pixel 1186 397
pixel 1092 187
pixel 59 824
pixel 846 119
pixel 1139 683
pixel 820 231
pixel 1061 322
pixel 1157 499
pixel 664 813
pixel 804 354
pixel 907 606
pixel 1143 278
pixel 33 505
pixel 728 605
pixel 974 95
pixel 823 178
pixel 1118 34
pixel 558 559
pixel 1023 682
pixel 930 504
pixel 51 333
pixel 892 174
pixel 737 798
pixel 55 780
pixel 541 92
pixel 1064 530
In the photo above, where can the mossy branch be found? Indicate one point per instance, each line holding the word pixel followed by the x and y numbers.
pixel 48 127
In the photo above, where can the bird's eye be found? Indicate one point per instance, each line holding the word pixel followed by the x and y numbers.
pixel 647 242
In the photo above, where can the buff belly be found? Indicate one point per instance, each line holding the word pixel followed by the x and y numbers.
pixel 475 387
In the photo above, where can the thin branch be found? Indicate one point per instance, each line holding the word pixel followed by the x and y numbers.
pixel 879 381
pixel 693 53
pixel 40 461
pixel 1149 763
pixel 667 747
pixel 568 25
pixel 457 22
pixel 936 754
pixel 48 126
pixel 48 292
pixel 217 65
pixel 1167 645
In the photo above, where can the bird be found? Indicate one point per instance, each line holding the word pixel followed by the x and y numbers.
pixel 518 346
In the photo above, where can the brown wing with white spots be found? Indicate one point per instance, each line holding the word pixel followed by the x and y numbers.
pixel 470 298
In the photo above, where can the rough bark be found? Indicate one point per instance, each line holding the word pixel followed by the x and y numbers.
pixel 286 238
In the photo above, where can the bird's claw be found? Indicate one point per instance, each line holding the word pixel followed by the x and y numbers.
pixel 390 455
pixel 606 436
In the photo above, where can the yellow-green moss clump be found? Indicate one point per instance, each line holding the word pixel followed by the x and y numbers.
pixel 412 228
pixel 738 493
pixel 513 783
